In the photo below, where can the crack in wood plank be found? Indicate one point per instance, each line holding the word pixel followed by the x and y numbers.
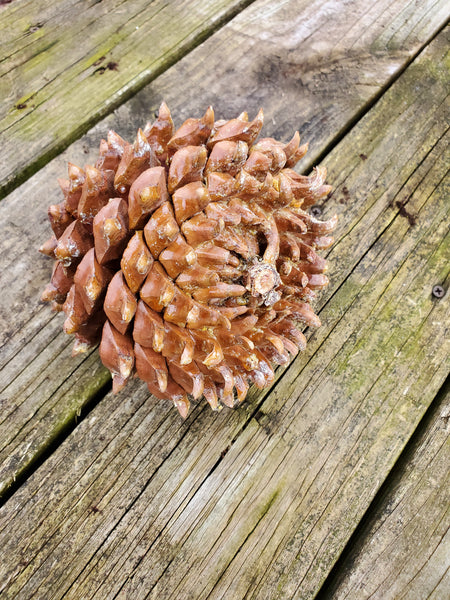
pixel 53 92
pixel 164 523
pixel 23 321
pixel 380 560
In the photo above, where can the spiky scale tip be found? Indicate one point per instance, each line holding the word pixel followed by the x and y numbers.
pixel 190 255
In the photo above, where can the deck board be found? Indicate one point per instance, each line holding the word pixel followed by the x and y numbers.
pixel 259 502
pixel 66 64
pixel 277 57
pixel 404 548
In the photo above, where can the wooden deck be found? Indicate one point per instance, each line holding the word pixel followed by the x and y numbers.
pixel 334 483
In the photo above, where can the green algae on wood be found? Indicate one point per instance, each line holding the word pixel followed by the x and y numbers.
pixel 20 447
pixel 80 62
pixel 28 334
pixel 225 505
pixel 69 64
pixel 403 548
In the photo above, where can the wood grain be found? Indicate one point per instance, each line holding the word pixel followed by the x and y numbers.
pixel 259 502
pixel 277 57
pixel 403 551
pixel 67 64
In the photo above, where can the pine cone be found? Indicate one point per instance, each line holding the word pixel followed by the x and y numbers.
pixel 190 257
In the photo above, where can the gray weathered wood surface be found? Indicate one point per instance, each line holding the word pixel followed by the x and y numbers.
pixel 319 85
pixel 404 548
pixel 65 64
pixel 258 502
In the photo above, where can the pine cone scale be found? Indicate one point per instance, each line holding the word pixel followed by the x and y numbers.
pixel 190 256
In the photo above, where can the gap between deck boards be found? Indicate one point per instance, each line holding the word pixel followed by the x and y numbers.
pixel 389 216
pixel 104 389
pixel 378 499
pixel 62 435
pixel 122 95
pixel 365 109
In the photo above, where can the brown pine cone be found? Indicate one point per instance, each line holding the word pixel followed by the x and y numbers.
pixel 189 255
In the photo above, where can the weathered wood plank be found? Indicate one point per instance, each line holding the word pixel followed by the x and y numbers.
pixel 340 73
pixel 403 551
pixel 260 505
pixel 272 518
pixel 67 64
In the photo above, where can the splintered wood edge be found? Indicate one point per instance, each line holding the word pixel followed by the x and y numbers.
pixel 259 500
pixel 402 550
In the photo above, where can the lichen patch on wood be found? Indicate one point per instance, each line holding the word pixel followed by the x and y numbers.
pixel 260 502
pixel 50 77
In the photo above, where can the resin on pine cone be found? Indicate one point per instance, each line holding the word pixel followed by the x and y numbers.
pixel 189 256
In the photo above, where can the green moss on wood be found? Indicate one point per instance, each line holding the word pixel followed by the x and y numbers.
pixel 71 93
